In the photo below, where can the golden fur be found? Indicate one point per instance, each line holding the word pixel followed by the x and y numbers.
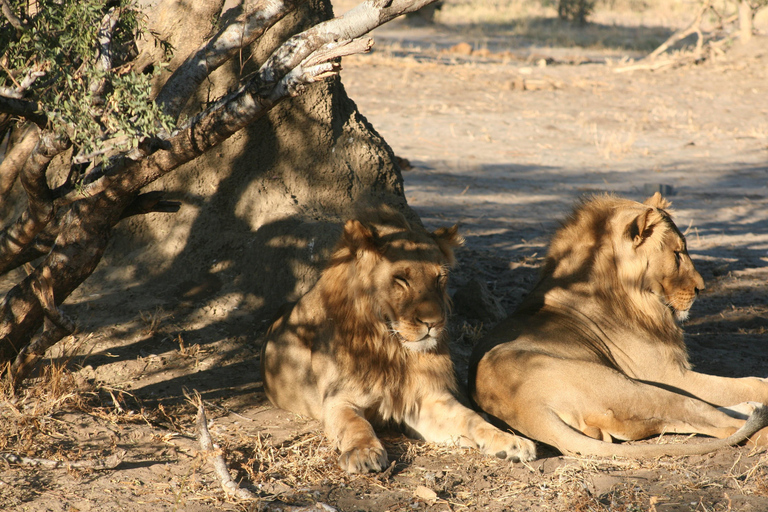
pixel 595 353
pixel 368 343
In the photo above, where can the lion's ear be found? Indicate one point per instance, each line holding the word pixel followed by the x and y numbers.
pixel 657 201
pixel 447 239
pixel 643 226
pixel 359 237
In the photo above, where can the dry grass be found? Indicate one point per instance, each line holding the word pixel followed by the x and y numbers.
pixel 613 145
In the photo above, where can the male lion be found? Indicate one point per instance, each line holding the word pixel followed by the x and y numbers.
pixel 368 343
pixel 595 353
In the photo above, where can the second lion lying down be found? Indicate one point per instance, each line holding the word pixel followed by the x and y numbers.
pixel 368 343
pixel 595 353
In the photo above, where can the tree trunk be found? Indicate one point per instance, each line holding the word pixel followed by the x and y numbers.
pixel 260 210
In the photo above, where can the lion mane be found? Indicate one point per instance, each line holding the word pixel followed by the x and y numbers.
pixel 595 352
pixel 367 351
pixel 368 343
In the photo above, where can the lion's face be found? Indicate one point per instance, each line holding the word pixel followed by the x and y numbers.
pixel 669 270
pixel 672 275
pixel 411 283
pixel 404 273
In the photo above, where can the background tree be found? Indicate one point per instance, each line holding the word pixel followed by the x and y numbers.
pixel 101 103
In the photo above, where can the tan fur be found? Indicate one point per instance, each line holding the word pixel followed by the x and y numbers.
pixel 595 353
pixel 368 343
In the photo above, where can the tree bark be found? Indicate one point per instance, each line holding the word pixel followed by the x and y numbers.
pixel 266 201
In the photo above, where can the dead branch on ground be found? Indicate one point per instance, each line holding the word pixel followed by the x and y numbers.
pixel 231 488
pixel 108 463
pixel 708 42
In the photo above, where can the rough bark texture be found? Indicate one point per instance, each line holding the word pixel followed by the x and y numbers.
pixel 260 210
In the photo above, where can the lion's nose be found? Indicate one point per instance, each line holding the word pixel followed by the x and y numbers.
pixel 429 323
pixel 699 283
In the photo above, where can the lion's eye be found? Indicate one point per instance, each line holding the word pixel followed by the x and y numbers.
pixel 402 282
pixel 677 257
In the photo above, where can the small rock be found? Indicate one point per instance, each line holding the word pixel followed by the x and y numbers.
pixel 425 493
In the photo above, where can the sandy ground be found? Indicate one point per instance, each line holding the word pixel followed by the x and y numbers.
pixel 502 141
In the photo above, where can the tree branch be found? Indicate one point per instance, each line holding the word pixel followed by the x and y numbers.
pixel 245 29
pixel 24 108
pixel 40 208
pixel 692 28
pixel 11 17
pixel 57 326
pixel 354 24
pixel 104 57
pixel 15 158
pixel 150 202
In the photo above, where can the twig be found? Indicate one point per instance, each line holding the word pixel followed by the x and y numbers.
pixel 110 462
pixel 11 17
pixel 230 486
pixel 219 464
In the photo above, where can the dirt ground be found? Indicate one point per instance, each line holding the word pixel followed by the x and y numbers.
pixel 502 135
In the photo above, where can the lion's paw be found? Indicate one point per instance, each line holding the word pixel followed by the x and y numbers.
pixel 505 445
pixel 366 456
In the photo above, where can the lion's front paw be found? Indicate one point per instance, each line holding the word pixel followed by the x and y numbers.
pixel 366 456
pixel 505 445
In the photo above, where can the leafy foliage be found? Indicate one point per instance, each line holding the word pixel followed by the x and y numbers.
pixel 59 44
pixel 575 10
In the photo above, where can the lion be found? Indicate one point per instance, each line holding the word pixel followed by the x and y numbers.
pixel 595 352
pixel 368 343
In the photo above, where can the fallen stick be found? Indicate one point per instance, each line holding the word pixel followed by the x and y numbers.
pixel 110 462
pixel 219 464
pixel 231 488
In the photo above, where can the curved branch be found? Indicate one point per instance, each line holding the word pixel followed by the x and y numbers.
pixel 353 25
pixel 15 158
pixel 11 17
pixel 40 208
pixel 57 326
pixel 245 29
pixel 692 28
pixel 24 108
pixel 150 202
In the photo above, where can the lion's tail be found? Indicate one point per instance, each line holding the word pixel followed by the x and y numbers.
pixel 573 442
